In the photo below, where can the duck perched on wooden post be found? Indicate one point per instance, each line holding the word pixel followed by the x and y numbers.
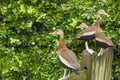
pixel 100 40
pixel 90 32
pixel 103 42
pixel 66 56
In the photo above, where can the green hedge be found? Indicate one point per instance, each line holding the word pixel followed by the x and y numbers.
pixel 28 52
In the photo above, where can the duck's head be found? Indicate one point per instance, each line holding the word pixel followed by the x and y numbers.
pixel 83 26
pixel 102 12
pixel 57 32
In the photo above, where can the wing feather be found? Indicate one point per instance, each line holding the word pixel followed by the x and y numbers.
pixel 68 57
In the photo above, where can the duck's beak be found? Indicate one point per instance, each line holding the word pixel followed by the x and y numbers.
pixel 106 14
pixel 53 33
pixel 78 27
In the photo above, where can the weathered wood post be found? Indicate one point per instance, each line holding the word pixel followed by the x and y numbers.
pixel 98 68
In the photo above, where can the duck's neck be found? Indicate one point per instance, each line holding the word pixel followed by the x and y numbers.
pixel 97 23
pixel 62 43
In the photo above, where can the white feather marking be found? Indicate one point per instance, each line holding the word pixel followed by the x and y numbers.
pixel 88 33
pixel 65 62
pixel 101 40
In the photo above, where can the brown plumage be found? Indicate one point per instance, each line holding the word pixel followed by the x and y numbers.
pixel 103 42
pixel 89 33
pixel 66 56
pixel 69 56
pixel 100 40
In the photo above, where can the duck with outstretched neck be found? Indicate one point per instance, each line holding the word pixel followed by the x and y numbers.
pixel 100 40
pixel 90 32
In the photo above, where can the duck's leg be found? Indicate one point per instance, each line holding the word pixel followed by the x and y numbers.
pixel 68 74
pixel 88 49
pixel 102 50
pixel 64 75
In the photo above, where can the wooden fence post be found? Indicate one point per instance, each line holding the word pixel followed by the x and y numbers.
pixel 98 68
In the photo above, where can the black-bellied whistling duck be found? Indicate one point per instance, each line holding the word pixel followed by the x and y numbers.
pixel 89 33
pixel 100 40
pixel 84 26
pixel 66 56
pixel 103 42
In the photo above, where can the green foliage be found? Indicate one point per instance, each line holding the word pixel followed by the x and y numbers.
pixel 28 52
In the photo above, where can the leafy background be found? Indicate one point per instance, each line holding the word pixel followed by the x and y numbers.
pixel 28 51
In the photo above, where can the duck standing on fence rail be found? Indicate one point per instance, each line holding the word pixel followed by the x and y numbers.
pixel 100 40
pixel 90 32
pixel 66 56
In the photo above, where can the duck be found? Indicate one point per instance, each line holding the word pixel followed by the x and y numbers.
pixel 66 56
pixel 100 40
pixel 90 32
pixel 103 42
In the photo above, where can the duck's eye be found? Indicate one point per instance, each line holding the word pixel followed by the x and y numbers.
pixel 57 32
pixel 101 12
